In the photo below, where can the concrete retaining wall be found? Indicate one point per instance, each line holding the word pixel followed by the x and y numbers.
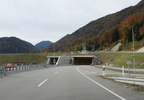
pixel 64 60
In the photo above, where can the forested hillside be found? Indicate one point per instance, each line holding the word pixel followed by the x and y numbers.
pixel 107 31
pixel 43 44
pixel 15 45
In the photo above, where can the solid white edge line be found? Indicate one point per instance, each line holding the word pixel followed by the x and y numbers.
pixel 42 82
pixel 101 85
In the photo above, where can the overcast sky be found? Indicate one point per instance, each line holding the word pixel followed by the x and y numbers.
pixel 39 20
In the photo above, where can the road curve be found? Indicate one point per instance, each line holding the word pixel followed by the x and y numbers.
pixel 64 83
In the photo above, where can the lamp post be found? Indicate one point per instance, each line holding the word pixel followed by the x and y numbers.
pixel 54 54
pixel 133 45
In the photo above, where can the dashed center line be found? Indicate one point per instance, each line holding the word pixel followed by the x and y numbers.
pixel 42 82
pixel 56 72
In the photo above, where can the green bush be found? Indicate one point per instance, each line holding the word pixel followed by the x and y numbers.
pixel 120 48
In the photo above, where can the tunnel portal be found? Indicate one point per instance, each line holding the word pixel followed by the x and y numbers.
pixel 82 61
pixel 73 60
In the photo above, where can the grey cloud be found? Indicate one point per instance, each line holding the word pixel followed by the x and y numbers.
pixel 36 20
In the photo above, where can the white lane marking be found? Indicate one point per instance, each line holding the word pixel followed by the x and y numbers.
pixel 56 72
pixel 42 82
pixel 101 85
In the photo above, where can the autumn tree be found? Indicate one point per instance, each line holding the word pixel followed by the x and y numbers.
pixel 96 41
pixel 135 20
pixel 106 37
pixel 141 31
pixel 113 34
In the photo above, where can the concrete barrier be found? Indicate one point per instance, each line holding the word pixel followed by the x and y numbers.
pixel 64 60
pixel 11 68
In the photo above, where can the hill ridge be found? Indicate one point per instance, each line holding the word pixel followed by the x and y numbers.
pixel 95 29
pixel 14 45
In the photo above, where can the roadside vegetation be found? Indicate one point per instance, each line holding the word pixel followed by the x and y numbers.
pixel 135 87
pixel 119 59
pixel 23 58
pixel 104 33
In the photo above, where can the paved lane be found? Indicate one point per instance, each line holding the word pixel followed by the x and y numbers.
pixel 126 93
pixel 64 83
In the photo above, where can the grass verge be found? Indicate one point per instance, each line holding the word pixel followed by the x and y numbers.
pixel 138 88
pixel 24 58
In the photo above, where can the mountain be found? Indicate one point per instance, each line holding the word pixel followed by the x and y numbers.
pixel 30 45
pixel 103 32
pixel 43 45
pixel 64 36
pixel 14 45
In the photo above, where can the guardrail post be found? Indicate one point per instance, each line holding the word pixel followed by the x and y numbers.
pixel 1 71
pixel 103 70
pixel 123 70
pixel 4 72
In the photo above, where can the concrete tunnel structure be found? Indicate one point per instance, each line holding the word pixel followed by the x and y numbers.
pixel 72 60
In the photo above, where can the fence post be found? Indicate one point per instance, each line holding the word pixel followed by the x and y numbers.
pixel 123 70
pixel 103 70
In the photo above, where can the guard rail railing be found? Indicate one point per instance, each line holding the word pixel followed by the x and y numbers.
pixel 125 69
pixel 12 69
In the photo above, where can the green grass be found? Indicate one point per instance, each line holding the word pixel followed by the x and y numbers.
pixel 139 88
pixel 119 59
pixel 24 58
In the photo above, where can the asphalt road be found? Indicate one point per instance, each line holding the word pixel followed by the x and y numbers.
pixel 64 83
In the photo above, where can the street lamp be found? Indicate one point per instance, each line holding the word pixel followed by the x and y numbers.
pixel 133 45
pixel 54 55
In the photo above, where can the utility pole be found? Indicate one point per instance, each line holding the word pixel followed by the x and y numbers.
pixel 133 45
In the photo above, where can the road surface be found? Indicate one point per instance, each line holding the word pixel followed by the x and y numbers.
pixel 64 83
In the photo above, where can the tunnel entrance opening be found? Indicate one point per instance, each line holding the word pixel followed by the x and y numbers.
pixel 72 60
pixel 51 61
pixel 83 60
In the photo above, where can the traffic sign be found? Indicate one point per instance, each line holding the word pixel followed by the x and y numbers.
pixel 99 61
pixel 54 60
pixel 128 62
pixel 111 60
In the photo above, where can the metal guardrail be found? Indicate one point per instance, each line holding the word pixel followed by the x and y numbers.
pixel 125 69
pixel 127 79
pixel 12 69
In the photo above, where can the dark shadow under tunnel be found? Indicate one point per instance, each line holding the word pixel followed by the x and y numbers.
pixel 51 62
pixel 82 60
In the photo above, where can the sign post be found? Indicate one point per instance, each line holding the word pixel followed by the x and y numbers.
pixel 98 61
pixel 111 60
pixel 103 70
pixel 54 60
pixel 123 70
pixel 106 64
pixel 128 62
